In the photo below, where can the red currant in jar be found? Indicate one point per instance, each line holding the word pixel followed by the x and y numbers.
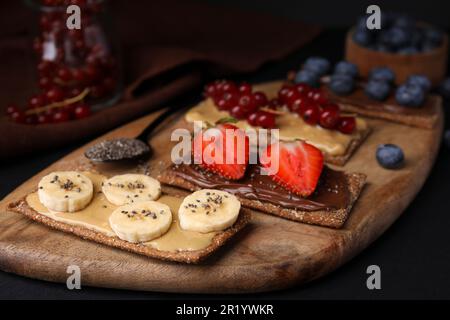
pixel 311 114
pixel 18 116
pixel 54 95
pixel 347 125
pixel 245 88
pixel 43 118
pixel 329 118
pixel 36 101
pixel 260 98
pixel 82 111
pixel 45 83
pixel 60 116
pixel 11 108
pixel 31 119
pixel 64 74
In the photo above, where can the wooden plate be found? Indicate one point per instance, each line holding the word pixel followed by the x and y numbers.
pixel 270 254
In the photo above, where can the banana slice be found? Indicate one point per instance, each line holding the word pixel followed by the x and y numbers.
pixel 65 191
pixel 141 222
pixel 208 210
pixel 131 188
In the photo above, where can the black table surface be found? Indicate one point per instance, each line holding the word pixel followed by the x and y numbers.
pixel 413 254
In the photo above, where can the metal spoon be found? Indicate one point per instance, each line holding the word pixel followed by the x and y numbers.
pixel 127 148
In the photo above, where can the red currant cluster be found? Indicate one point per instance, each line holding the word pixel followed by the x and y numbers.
pixel 242 103
pixel 74 67
pixel 314 107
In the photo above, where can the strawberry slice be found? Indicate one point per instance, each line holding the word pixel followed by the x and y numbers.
pixel 214 151
pixel 300 166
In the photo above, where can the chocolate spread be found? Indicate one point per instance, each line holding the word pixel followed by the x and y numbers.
pixel 331 193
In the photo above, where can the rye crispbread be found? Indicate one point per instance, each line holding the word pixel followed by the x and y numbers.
pixel 196 256
pixel 333 219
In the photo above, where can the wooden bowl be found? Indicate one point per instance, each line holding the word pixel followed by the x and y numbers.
pixel 432 64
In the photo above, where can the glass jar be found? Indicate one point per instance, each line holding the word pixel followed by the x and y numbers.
pixel 78 63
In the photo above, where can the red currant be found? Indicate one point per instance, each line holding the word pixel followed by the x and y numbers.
pixel 43 118
pixel 347 125
pixel 64 74
pixel 18 116
pixel 274 103
pixel 299 104
pixel 82 111
pixel 227 101
pixel 245 88
pixel 45 83
pixel 302 88
pixel 31 119
pixel 252 118
pixel 260 98
pixel 11 108
pixel 266 120
pixel 282 94
pixel 229 87
pixel 329 118
pixel 330 106
pixel 317 95
pixel 210 90
pixel 248 103
pixel 311 114
pixel 291 97
pixel 60 116
pixel 36 101
pixel 238 112
pixel 54 95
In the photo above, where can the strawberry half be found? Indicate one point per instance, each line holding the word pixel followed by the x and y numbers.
pixel 300 166
pixel 212 148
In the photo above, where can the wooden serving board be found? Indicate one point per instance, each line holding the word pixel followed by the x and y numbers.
pixel 271 253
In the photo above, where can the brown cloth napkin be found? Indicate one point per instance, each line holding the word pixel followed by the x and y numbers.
pixel 168 48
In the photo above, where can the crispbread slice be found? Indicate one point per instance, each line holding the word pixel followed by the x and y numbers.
pixel 196 256
pixel 333 219
pixel 353 146
pixel 423 117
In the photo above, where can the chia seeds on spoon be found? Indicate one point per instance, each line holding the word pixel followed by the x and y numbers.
pixel 117 149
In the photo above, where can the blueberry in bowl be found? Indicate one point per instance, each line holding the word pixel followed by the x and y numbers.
pixel 384 74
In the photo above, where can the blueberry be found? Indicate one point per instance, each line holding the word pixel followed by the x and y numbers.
pixel 408 50
pixel 362 37
pixel 318 65
pixel 390 156
pixel 433 36
pixel 378 90
pixel 382 74
pixel 419 80
pixel 444 88
pixel 410 95
pixel 395 37
pixel 347 68
pixel 404 22
pixel 308 77
pixel 447 138
pixel 341 84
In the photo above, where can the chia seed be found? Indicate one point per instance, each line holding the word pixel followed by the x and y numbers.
pixel 117 149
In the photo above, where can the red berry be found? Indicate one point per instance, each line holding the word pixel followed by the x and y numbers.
pixel 274 103
pixel 36 101
pixel 31 119
pixel 74 92
pixel 299 104
pixel 60 116
pixel 266 119
pixel 329 118
pixel 245 88
pixel 45 83
pixel 44 67
pixel 283 92
pixel 11 108
pixel 92 73
pixel 210 90
pixel 347 125
pixel 227 101
pixel 43 118
pixel 238 112
pixel 64 74
pixel 18 116
pixel 317 95
pixel 291 96
pixel 248 103
pixel 54 95
pixel 82 111
pixel 78 75
pixel 302 88
pixel 260 98
pixel 311 114
pixel 252 118
pixel 229 87
pixel 332 106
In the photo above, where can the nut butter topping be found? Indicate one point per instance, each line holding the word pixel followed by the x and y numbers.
pixel 96 215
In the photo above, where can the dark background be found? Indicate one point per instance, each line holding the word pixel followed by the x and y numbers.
pixel 413 254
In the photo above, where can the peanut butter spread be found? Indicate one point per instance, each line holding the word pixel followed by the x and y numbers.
pixel 96 217
pixel 291 126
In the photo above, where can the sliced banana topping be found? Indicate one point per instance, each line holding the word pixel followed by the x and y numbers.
pixel 208 210
pixel 131 188
pixel 141 222
pixel 65 191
